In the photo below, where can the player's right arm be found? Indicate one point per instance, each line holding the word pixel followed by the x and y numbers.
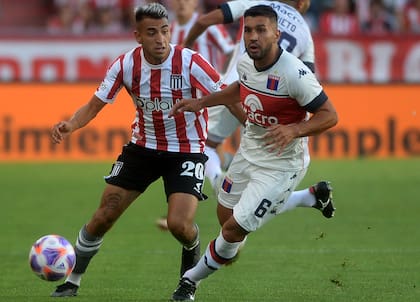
pixel 203 22
pixel 79 119
pixel 227 96
pixel 227 12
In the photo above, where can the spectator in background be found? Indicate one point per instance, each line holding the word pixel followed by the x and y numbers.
pixel 70 17
pixel 379 21
pixel 108 20
pixel 215 44
pixel 410 21
pixel 341 19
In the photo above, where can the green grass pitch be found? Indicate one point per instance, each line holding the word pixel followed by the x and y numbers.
pixel 370 251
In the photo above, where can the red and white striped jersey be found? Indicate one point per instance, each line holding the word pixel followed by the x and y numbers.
pixel 213 44
pixel 154 89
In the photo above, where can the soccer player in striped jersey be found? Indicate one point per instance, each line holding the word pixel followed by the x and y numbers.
pixel 215 44
pixel 156 75
pixel 211 44
pixel 276 90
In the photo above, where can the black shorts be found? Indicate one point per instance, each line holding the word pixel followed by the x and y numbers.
pixel 137 167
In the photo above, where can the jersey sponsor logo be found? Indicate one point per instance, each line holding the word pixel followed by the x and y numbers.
pixel 255 111
pixel 302 72
pixel 156 104
pixel 216 86
pixel 176 81
pixel 273 82
pixel 102 86
pixel 284 12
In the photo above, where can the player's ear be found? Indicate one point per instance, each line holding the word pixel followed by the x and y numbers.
pixel 137 36
pixel 278 35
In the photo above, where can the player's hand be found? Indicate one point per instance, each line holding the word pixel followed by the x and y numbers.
pixel 192 105
pixel 60 130
pixel 279 136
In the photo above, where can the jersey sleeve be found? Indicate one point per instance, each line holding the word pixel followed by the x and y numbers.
pixel 112 83
pixel 304 87
pixel 308 55
pixel 233 10
pixel 203 76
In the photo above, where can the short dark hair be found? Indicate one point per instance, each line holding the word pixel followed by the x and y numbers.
pixel 262 10
pixel 152 10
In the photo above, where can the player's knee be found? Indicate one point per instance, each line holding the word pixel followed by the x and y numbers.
pixel 181 230
pixel 232 231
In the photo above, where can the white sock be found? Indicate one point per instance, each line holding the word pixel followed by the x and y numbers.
pixel 213 165
pixel 302 198
pixel 74 278
pixel 218 252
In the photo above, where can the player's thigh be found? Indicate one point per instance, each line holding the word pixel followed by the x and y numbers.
pixel 235 182
pixel 221 123
pixel 264 197
pixel 135 168
pixel 184 173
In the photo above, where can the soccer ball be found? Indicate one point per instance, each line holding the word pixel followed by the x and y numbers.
pixel 52 258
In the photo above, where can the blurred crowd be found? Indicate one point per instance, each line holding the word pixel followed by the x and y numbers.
pixel 335 17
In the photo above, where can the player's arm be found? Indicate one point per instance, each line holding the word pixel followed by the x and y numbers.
pixel 228 96
pixel 227 12
pixel 202 23
pixel 79 119
pixel 238 112
pixel 323 118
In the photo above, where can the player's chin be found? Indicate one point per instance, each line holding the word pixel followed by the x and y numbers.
pixel 254 53
pixel 160 53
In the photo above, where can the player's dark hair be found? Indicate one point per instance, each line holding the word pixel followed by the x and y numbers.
pixel 262 10
pixel 152 10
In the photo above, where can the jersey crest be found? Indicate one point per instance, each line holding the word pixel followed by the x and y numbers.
pixel 273 82
pixel 176 81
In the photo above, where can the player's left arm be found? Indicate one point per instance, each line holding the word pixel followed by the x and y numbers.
pixel 304 87
pixel 323 118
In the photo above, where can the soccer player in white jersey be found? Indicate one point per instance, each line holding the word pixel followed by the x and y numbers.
pixel 156 75
pixel 215 42
pixel 295 38
pixel 276 90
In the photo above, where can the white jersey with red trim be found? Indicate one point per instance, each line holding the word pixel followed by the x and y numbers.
pixel 295 36
pixel 154 89
pixel 281 94
pixel 211 44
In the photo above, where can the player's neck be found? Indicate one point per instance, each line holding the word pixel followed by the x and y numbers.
pixel 153 60
pixel 269 60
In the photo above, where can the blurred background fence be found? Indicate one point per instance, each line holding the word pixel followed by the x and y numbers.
pixel 54 53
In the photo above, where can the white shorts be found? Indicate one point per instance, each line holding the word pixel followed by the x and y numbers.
pixel 221 123
pixel 256 194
